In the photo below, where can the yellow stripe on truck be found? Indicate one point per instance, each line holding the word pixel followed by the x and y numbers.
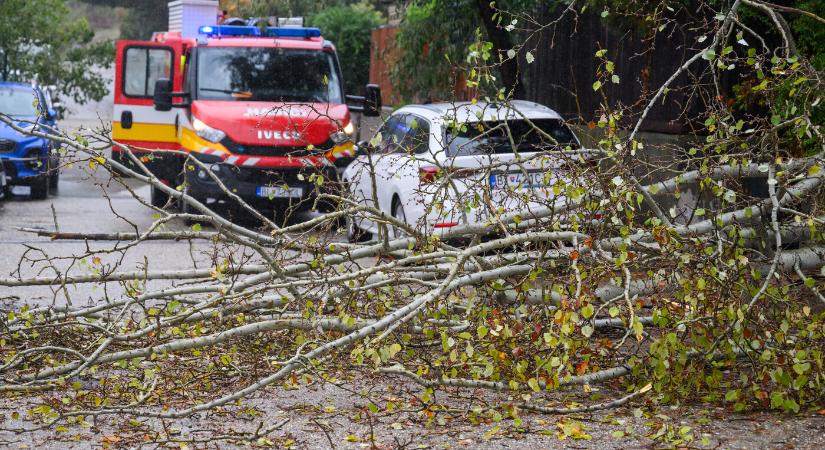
pixel 152 132
pixel 192 142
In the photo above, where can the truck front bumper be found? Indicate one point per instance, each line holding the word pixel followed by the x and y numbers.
pixel 262 187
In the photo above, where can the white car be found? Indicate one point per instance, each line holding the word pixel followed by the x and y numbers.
pixel 436 166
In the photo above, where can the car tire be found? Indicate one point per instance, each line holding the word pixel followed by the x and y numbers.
pixel 398 214
pixel 354 233
pixel 54 179
pixel 40 187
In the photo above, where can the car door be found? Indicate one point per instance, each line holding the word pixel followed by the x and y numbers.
pixel 377 167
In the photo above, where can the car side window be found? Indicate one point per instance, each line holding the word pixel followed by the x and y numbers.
pixel 417 139
pixel 392 134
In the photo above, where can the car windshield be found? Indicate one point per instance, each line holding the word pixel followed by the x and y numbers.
pixel 18 102
pixel 267 74
pixel 482 138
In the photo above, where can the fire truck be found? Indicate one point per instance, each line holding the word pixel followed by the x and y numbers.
pixel 262 107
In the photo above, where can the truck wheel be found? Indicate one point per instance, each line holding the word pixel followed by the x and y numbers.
pixel 158 197
pixel 40 187
pixel 356 234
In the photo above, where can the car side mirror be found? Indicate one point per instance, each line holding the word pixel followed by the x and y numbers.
pixel 51 114
pixel 163 95
pixel 372 100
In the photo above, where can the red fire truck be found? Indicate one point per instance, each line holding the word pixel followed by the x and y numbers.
pixel 263 108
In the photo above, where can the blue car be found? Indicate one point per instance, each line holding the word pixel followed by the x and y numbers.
pixel 28 160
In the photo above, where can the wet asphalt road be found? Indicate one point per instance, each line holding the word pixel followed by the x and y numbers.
pixel 86 203
pixel 83 203
pixel 89 201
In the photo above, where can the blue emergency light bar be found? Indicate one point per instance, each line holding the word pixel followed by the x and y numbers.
pixel 253 31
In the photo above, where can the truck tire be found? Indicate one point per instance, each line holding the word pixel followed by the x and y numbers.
pixel 356 234
pixel 158 197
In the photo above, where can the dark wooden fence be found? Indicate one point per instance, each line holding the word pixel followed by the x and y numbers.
pixel 565 67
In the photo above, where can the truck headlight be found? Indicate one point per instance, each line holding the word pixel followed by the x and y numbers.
pixel 205 131
pixel 339 137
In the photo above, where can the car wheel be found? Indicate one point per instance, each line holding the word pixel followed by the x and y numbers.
pixel 40 187
pixel 54 179
pixel 354 233
pixel 399 215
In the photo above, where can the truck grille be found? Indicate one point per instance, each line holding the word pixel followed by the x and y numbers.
pixel 7 145
pixel 272 177
pixel 261 150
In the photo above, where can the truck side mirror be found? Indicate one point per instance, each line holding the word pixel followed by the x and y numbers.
pixel 163 95
pixel 372 100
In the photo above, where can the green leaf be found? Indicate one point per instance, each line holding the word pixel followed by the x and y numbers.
pixel 587 311
pixel 597 85
pixel 709 55
pixel 482 331
pixel 534 384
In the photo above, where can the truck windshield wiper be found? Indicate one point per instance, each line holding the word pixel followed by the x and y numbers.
pixel 236 94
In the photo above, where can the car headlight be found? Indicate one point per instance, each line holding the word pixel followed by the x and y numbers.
pixel 349 129
pixel 205 131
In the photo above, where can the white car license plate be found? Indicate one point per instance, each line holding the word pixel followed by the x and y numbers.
pixel 271 192
pixel 518 180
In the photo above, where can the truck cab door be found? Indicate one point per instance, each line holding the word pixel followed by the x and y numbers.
pixel 138 65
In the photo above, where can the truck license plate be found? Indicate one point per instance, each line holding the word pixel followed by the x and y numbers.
pixel 271 192
pixel 517 180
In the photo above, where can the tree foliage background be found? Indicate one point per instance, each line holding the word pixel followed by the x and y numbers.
pixel 37 41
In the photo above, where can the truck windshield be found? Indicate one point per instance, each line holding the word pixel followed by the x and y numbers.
pixel 18 102
pixel 267 75
pixel 493 137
